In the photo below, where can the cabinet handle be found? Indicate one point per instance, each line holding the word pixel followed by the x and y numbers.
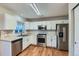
pixel 64 34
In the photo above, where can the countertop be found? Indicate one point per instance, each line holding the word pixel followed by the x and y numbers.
pixel 10 38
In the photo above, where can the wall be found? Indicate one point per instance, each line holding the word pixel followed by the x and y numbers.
pixel 71 29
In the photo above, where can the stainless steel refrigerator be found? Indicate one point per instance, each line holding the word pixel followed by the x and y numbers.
pixel 62 36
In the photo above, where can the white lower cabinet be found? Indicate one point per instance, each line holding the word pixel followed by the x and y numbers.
pixel 34 39
pixel 48 41
pixel 26 42
pixel 51 41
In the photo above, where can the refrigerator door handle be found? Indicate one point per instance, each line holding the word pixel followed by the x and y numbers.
pixel 64 34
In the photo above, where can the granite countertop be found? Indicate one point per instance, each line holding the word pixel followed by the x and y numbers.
pixel 10 38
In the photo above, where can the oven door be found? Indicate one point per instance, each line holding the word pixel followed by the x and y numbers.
pixel 41 40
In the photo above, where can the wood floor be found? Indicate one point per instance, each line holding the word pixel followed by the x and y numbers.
pixel 42 51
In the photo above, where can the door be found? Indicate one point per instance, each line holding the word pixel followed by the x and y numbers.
pixel 76 30
pixel 62 36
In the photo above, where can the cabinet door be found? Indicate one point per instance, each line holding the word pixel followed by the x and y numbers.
pixel 31 25
pixel 10 22
pixel 35 25
pixel 24 42
pixel 53 40
pixel 48 25
pixel 49 43
pixel 48 40
pixel 27 26
pixel 33 39
pixel 53 25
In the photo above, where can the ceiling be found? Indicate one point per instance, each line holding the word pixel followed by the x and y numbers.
pixel 46 9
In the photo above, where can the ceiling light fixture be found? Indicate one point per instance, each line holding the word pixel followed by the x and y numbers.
pixel 34 7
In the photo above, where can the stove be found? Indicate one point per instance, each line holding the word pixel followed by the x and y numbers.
pixel 41 40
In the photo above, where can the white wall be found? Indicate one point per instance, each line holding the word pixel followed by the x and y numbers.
pixel 71 27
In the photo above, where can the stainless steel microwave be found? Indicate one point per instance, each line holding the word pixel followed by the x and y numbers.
pixel 42 27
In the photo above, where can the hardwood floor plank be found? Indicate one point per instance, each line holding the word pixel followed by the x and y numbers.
pixel 49 52
pixel 42 51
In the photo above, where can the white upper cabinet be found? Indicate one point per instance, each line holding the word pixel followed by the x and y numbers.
pixel 31 25
pixel 62 22
pixel 51 25
pixel 10 22
pixel 7 21
pixel 48 25
pixel 35 25
pixel 27 25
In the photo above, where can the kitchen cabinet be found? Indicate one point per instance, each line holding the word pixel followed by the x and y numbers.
pixel 48 25
pixel 27 25
pixel 34 39
pixel 54 41
pixel 53 25
pixel 35 25
pixel 51 40
pixel 26 42
pixel 10 22
pixel 62 22
pixel 9 47
pixel 7 21
pixel 48 41
pixel 31 25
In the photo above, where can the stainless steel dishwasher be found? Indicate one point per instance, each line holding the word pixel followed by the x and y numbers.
pixel 16 47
